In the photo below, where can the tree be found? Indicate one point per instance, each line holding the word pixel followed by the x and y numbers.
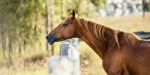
pixel 17 21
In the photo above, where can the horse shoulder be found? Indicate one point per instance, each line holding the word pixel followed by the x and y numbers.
pixel 113 62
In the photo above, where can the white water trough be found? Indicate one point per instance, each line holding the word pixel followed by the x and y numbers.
pixel 68 61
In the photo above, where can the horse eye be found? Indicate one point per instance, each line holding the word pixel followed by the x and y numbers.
pixel 65 24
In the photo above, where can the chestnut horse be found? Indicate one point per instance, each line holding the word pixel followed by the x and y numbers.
pixel 122 53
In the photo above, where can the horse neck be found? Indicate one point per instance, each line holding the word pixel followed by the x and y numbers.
pixel 93 35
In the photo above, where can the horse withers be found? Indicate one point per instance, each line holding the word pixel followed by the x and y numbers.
pixel 122 53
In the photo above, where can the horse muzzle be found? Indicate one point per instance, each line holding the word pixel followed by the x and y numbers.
pixel 51 38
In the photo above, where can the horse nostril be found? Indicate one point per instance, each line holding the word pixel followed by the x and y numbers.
pixel 46 37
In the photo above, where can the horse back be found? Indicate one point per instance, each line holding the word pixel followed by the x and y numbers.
pixel 138 58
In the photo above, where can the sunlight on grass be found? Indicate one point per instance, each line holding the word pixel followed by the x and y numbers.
pixel 93 62
pixel 130 23
pixel 42 71
pixel 33 70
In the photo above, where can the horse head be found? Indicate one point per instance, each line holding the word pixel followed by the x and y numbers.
pixel 64 30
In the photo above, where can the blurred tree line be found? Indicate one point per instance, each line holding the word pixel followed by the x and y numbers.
pixel 18 25
pixel 25 23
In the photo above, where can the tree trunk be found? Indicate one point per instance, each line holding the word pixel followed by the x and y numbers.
pixel 19 50
pixel 46 24
pixel 35 23
pixel 52 18
pixel 3 44
pixel 9 49
pixel 62 10
pixel 145 7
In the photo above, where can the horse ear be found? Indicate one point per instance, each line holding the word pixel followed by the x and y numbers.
pixel 73 14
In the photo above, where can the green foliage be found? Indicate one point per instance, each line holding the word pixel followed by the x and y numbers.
pixel 98 2
pixel 20 18
pixel 22 22
pixel 19 22
pixel 84 8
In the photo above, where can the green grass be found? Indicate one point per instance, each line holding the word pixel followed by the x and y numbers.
pixel 23 71
pixel 93 62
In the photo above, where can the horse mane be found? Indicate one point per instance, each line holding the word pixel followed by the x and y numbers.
pixel 126 39
pixel 120 37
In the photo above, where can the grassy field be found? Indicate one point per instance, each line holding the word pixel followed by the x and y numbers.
pixel 28 70
pixel 131 23
pixel 90 62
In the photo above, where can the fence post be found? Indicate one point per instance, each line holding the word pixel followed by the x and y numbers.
pixel 68 61
pixel 70 48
